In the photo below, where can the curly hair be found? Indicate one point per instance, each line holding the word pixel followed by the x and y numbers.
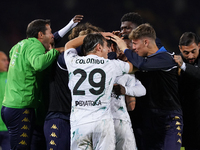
pixel 132 17
pixel 83 29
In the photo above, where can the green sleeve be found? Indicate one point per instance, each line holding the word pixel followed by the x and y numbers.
pixel 40 60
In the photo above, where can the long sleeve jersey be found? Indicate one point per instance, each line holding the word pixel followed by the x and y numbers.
pixel 28 59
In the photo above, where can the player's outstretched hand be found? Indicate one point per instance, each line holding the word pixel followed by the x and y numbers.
pixel 77 18
pixel 107 35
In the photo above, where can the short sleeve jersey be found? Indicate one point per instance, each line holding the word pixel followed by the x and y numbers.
pixel 91 81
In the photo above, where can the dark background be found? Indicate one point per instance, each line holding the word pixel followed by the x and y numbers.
pixel 170 18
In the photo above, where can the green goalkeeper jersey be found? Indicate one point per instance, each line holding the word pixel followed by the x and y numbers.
pixel 28 59
pixel 3 80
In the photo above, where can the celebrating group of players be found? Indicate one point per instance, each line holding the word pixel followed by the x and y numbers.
pixel 85 89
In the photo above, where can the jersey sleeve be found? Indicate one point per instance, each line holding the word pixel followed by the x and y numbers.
pixel 158 61
pixel 135 88
pixel 57 38
pixel 40 60
pixel 69 54
pixel 121 67
pixel 61 62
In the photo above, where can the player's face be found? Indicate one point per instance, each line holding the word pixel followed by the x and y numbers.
pixel 105 50
pixel 3 62
pixel 139 47
pixel 127 27
pixel 191 52
pixel 48 37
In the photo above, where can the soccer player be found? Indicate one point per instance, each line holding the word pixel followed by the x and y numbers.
pixel 28 60
pixel 50 92
pixel 161 116
pixel 125 89
pixel 125 139
pixel 4 136
pixel 189 63
pixel 91 79
pixel 130 21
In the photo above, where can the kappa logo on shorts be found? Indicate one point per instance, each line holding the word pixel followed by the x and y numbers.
pixel 53 134
pixel 87 103
pixel 176 118
pixel 25 120
pixel 22 142
pixel 54 127
pixel 26 111
pixel 52 142
pixel 179 141
pixel 179 134
pixel 25 127
pixel 178 123
pixel 24 135
pixel 178 128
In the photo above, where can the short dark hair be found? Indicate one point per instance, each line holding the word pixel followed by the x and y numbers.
pixel 132 17
pixel 90 42
pixel 188 38
pixel 143 30
pixel 36 26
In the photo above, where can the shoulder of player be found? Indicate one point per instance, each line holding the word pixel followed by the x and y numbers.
pixel 162 55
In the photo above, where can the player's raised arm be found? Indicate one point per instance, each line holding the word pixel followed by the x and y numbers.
pixel 75 42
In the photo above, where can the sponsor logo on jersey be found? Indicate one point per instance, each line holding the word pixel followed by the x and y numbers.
pixel 90 61
pixel 87 103
pixel 115 96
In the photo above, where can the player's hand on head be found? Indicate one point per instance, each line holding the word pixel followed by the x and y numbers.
pixel 77 18
pixel 120 42
pixel 117 33
pixel 107 35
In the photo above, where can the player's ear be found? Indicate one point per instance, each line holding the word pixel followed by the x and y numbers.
pixel 40 35
pixel 99 47
pixel 146 42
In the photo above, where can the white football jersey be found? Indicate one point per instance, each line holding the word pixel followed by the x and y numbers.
pixel 91 81
pixel 133 87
